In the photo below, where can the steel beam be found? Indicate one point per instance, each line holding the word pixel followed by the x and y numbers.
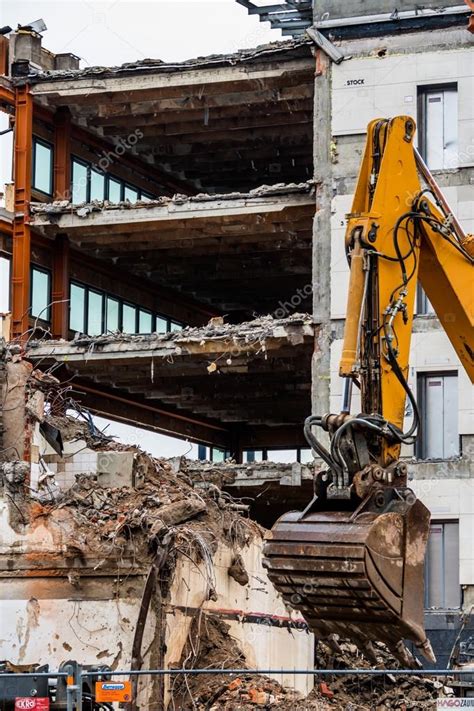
pixel 7 99
pixel 23 143
pixel 60 290
pixel 62 154
pixel 290 17
pixel 4 45
pixel 135 411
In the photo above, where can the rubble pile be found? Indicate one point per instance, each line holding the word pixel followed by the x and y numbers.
pixel 210 646
pixel 165 501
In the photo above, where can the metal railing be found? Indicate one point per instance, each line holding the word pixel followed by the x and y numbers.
pixel 74 682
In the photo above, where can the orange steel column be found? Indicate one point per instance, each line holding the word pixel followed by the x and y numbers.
pixel 4 45
pixel 62 191
pixel 21 228
pixel 62 154
pixel 60 290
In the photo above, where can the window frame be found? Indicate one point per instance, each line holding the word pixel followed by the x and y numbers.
pixel 103 297
pixel 86 165
pixel 124 184
pixel 8 258
pixel 46 144
pixel 420 443
pixel 422 91
pixel 442 522
pixel 79 285
pixel 107 186
pixel 48 273
pixel 91 170
pixel 422 302
pixel 121 303
pixel 266 450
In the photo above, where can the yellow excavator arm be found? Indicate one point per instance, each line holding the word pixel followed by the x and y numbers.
pixel 352 561
pixel 398 233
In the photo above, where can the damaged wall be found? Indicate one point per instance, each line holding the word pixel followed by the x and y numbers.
pixel 82 552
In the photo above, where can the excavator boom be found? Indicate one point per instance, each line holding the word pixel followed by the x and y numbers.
pixel 353 561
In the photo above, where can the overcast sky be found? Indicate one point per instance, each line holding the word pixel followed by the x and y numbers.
pixel 117 31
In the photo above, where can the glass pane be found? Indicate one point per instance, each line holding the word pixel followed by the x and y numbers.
pixel 79 182
pixel 306 456
pixel 40 294
pixel 97 185
pixel 4 284
pixel 129 319
pixel 218 455
pixel 253 455
pixel 144 322
pixel 115 190
pixel 130 194
pixel 76 308
pixel 42 177
pixel 146 197
pixel 94 314
pixel 282 456
pixel 161 325
pixel 175 326
pixel 112 315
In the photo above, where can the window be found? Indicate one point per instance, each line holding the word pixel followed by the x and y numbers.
pixel 442 588
pixel 144 322
pixel 115 190
pixel 77 308
pixel 211 454
pixel 161 325
pixel 306 456
pixel 40 293
pixel 79 182
pixel 4 284
pixel 89 183
pixel 112 315
pixel 129 323
pixel 423 305
pixel 218 455
pixel 438 401
pixel 282 456
pixel 94 313
pixel 438 121
pixel 252 455
pixel 42 166
pixel 130 194
pixel 97 185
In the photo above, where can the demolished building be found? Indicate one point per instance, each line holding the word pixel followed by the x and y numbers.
pixel 174 240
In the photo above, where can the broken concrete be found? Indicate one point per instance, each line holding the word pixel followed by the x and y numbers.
pixel 237 367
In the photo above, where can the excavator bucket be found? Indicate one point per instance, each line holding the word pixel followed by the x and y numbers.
pixel 359 574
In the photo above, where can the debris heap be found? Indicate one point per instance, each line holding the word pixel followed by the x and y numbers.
pixel 210 646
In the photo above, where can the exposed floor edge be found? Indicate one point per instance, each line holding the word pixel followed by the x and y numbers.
pixel 279 190
pixel 157 65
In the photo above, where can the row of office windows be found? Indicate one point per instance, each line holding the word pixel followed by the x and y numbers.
pixel 278 456
pixel 87 181
pixel 88 184
pixel 439 428
pixel 94 312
